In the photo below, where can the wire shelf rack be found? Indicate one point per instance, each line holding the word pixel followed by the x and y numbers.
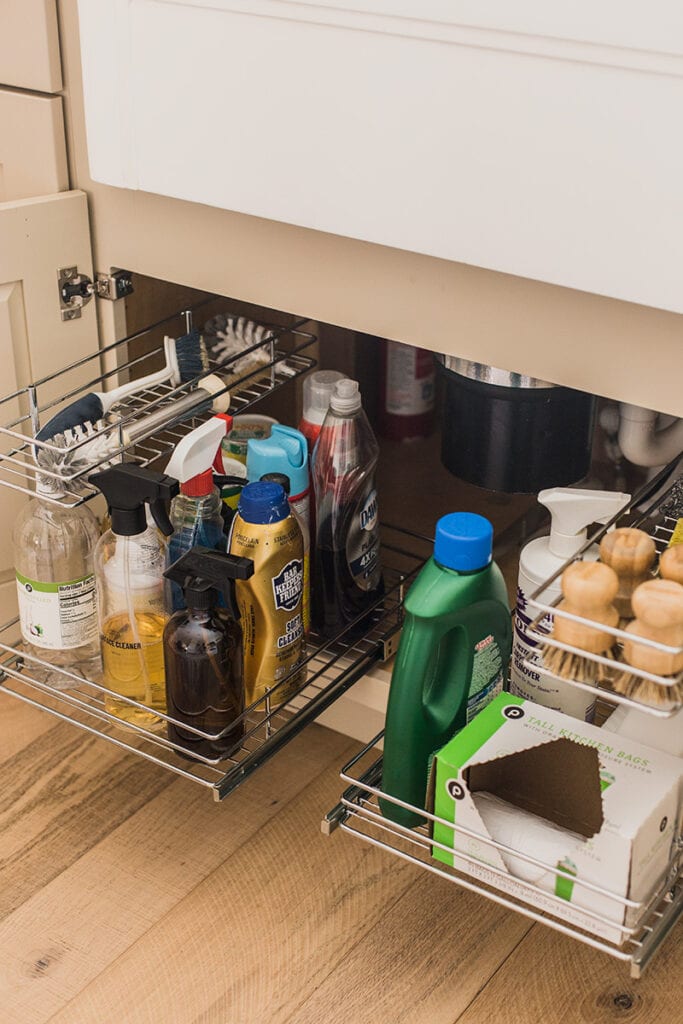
pixel 145 425
pixel 639 934
pixel 651 510
pixel 333 666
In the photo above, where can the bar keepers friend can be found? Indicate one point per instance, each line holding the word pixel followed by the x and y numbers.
pixel 270 603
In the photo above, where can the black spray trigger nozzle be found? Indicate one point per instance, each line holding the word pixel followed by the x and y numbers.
pixel 203 570
pixel 127 489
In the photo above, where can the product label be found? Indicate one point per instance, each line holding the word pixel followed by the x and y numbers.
pixel 487 676
pixel 538 686
pixel 288 586
pixel 271 608
pixel 410 380
pixel 362 544
pixel 58 616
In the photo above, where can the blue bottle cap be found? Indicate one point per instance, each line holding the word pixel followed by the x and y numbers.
pixel 285 451
pixel 464 541
pixel 263 503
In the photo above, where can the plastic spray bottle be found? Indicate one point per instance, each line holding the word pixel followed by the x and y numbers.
pixel 347 575
pixel 130 561
pixel 196 514
pixel 270 603
pixel 54 549
pixel 452 657
pixel 572 511
pixel 285 453
pixel 203 653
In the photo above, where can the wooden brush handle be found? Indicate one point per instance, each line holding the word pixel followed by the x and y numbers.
pixel 671 564
pixel 658 607
pixel 631 553
pixel 589 589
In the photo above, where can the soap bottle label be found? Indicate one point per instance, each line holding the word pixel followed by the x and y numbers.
pixel 362 545
pixel 487 675
pixel 57 616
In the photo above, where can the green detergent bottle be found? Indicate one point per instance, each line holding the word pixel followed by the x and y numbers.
pixel 451 661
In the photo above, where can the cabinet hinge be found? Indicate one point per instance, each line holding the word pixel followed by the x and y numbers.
pixel 75 291
pixel 113 286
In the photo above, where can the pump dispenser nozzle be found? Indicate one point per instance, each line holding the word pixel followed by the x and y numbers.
pixel 202 572
pixel 127 489
pixel 572 511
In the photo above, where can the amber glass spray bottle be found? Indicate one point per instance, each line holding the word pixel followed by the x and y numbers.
pixel 203 657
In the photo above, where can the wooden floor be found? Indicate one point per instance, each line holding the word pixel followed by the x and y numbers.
pixel 127 896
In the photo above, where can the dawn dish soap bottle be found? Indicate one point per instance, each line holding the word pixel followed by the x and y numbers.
pixel 130 561
pixel 452 657
pixel 197 512
pixel 54 548
pixel 203 654
pixel 347 574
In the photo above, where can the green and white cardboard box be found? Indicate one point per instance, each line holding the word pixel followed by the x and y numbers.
pixel 621 796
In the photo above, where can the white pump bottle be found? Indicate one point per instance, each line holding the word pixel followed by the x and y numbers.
pixel 571 511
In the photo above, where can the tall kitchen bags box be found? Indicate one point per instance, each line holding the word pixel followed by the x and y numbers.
pixel 597 811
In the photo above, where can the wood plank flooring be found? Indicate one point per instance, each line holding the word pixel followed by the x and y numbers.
pixel 127 896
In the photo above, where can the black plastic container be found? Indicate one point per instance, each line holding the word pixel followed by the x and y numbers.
pixel 511 433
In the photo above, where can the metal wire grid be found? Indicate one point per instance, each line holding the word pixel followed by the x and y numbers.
pixel 660 527
pixel 333 666
pixel 284 361
pixel 359 814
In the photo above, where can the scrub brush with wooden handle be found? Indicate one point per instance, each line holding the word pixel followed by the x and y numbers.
pixel 671 564
pixel 658 607
pixel 631 553
pixel 186 358
pixel 589 589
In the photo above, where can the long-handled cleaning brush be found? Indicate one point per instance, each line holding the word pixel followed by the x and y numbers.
pixel 186 358
pixel 68 457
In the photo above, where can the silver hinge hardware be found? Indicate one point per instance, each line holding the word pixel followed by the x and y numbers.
pixel 75 291
pixel 114 286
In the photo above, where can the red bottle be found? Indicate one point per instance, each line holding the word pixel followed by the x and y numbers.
pixel 406 406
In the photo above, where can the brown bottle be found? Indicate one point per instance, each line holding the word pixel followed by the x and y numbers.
pixel 203 655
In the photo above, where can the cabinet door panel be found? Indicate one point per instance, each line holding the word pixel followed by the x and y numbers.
pixel 37 238
pixel 29 45
pixel 32 145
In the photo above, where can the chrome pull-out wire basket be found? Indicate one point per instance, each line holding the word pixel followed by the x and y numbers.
pixel 333 666
pixel 656 511
pixel 649 921
pixel 277 358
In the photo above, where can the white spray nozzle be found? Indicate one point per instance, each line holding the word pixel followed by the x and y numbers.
pixel 573 510
pixel 197 450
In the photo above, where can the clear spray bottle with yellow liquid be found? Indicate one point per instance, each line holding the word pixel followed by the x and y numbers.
pixel 130 561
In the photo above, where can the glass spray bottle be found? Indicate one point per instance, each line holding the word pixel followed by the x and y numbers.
pixel 203 654
pixel 130 561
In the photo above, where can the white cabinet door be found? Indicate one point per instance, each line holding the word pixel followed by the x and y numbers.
pixel 38 237
pixel 535 139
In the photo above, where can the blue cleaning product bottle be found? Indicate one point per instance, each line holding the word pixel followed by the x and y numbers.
pixel 196 513
pixel 452 657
